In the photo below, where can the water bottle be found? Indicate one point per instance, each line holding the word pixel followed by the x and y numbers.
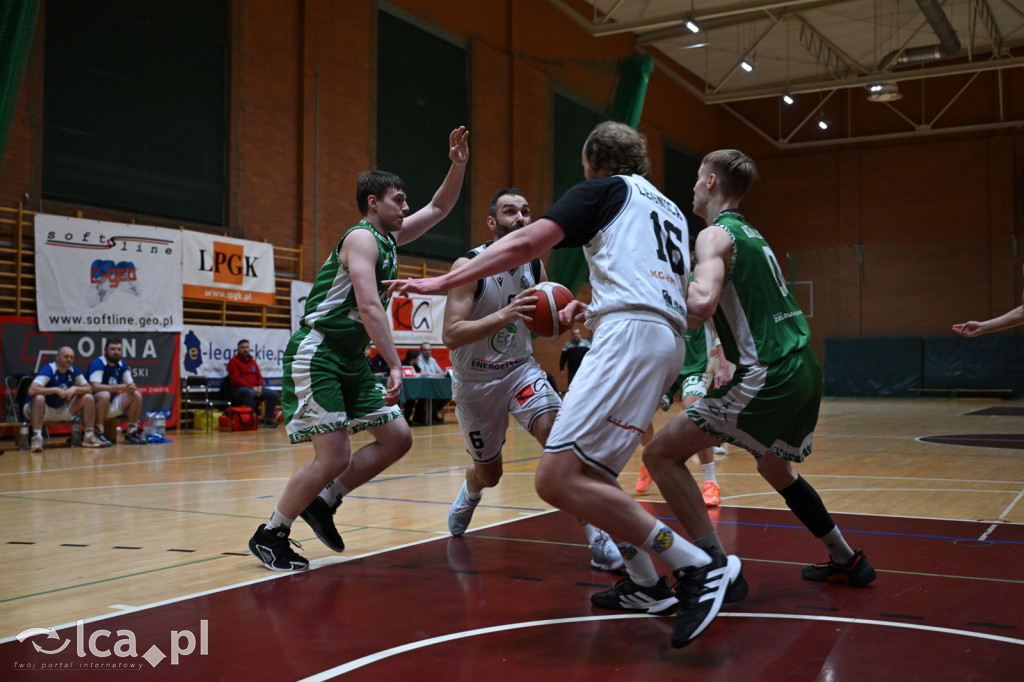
pixel 147 428
pixel 76 433
pixel 160 424
pixel 23 436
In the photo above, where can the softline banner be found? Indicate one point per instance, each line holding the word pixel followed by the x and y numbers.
pixel 93 275
pixel 152 357
pixel 205 351
pixel 225 269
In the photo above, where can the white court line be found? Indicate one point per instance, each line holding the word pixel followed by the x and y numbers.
pixel 1012 504
pixel 460 472
pixel 146 461
pixel 725 498
pixel 988 530
pixel 412 646
pixel 313 565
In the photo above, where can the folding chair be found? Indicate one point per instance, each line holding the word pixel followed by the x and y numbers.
pixel 196 396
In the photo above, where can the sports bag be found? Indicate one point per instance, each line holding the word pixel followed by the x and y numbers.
pixel 201 417
pixel 239 418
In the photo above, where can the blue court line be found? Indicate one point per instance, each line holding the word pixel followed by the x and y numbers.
pixel 385 478
pixel 866 532
pixel 446 504
pixel 672 518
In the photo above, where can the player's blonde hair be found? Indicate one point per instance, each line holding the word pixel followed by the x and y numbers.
pixel 735 171
pixel 617 149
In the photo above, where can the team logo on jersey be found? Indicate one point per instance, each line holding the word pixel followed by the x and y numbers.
pixel 525 395
pixel 502 339
pixel 663 540
pixel 385 264
pixel 523 282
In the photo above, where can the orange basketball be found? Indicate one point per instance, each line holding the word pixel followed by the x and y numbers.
pixel 551 297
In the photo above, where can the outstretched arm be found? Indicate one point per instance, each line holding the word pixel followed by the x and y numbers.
pixel 446 195
pixel 459 330
pixel 510 251
pixel 974 328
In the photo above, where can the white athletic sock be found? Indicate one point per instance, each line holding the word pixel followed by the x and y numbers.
pixel 333 492
pixel 279 520
pixel 38 432
pixel 837 547
pixel 709 472
pixel 639 566
pixel 673 548
pixel 470 494
pixel 592 532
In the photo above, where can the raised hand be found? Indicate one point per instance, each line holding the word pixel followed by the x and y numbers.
pixel 458 146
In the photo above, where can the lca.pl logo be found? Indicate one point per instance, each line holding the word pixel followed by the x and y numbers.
pixel 98 645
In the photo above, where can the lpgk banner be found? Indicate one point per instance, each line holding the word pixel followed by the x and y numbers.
pixel 94 275
pixel 226 269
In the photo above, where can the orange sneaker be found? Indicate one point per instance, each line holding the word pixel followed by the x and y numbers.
pixel 711 492
pixel 643 481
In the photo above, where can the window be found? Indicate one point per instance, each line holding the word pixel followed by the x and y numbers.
pixel 135 107
pixel 421 98
pixel 680 175
pixel 573 123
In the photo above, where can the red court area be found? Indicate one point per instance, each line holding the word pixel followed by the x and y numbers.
pixel 511 602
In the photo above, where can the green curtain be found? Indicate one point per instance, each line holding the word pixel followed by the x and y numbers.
pixel 17 26
pixel 569 266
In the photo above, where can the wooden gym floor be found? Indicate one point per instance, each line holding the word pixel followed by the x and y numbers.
pixel 149 544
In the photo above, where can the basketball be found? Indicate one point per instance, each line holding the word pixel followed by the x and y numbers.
pixel 551 297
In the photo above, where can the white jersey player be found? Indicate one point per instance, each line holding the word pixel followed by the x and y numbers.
pixel 495 373
pixel 634 240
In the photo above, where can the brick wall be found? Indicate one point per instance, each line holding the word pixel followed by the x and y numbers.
pixel 301 120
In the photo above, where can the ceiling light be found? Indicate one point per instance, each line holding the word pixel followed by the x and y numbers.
pixel 692 25
pixel 823 124
pixel 888 91
pixel 787 98
pixel 747 65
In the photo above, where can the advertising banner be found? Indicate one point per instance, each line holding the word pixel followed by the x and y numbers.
pixel 152 357
pixel 205 351
pixel 225 269
pixel 300 290
pixel 417 319
pixel 96 276
pixel 414 319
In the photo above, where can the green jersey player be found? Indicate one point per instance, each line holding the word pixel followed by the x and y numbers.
pixel 329 391
pixel 770 406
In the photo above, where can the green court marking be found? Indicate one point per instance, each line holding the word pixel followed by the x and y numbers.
pixel 107 580
pixel 129 506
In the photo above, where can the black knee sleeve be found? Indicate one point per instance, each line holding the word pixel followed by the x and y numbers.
pixel 808 507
